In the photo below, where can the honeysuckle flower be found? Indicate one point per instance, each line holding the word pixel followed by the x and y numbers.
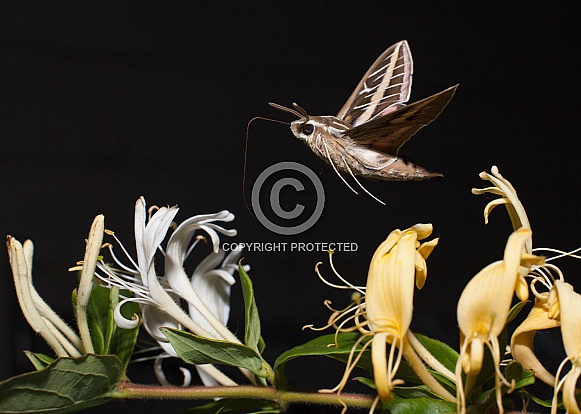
pixel 61 338
pixel 565 305
pixel 483 309
pixel 385 312
pixel 206 292
pixel 522 340
pixel 508 198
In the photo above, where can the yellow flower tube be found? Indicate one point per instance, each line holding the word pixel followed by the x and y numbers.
pixel 398 264
pixel 483 309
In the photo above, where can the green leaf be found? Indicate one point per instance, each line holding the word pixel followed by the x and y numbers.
pixel 39 360
pixel 322 345
pixel 98 317
pixel 441 351
pixel 514 371
pixel 198 350
pixel 543 403
pixel 252 336
pixel 106 336
pixel 419 391
pixel 67 385
pixel 366 381
pixel 515 310
pixel 522 377
pixel 418 406
pixel 234 406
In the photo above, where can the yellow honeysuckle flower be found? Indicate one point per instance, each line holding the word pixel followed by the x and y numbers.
pixel 397 264
pixel 522 341
pixel 565 304
pixel 483 308
pixel 508 198
pixel 385 312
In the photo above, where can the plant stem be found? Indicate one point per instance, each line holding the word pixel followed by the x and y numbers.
pixel 283 398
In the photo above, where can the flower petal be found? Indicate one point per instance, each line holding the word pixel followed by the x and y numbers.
pixel 522 341
pixel 570 305
pixel 380 370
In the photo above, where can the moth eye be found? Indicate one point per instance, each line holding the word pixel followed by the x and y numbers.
pixel 308 129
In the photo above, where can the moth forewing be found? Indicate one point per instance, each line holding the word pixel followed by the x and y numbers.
pixel 386 83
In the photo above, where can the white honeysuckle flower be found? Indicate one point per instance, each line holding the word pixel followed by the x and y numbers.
pixel 207 292
pixel 40 321
pixel 62 338
pixel 213 279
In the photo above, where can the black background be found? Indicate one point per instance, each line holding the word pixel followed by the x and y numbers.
pixel 103 102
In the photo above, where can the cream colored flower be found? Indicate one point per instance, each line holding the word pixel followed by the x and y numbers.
pixel 483 309
pixel 522 341
pixel 565 304
pixel 62 339
pixel 508 198
pixel 398 264
pixel 385 312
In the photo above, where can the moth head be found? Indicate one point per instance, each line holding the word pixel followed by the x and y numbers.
pixel 304 127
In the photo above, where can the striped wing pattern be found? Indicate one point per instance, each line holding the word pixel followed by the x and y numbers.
pixel 385 87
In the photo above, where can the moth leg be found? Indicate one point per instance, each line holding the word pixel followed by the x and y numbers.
pixel 337 172
pixel 360 185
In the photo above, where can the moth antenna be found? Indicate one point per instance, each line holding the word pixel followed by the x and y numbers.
pixel 361 185
pixel 246 154
pixel 299 114
pixel 300 110
pixel 335 168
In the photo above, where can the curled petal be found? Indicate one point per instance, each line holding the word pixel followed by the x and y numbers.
pixel 491 205
pixel 423 230
pixel 209 263
pixel 521 288
pixel 181 284
pixel 514 207
pixel 421 271
pixel 522 341
pixel 570 306
pixel 149 237
pixel 121 321
pixel 554 305
pixel 154 319
pixel 160 375
pixel 426 249
pixel 214 285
